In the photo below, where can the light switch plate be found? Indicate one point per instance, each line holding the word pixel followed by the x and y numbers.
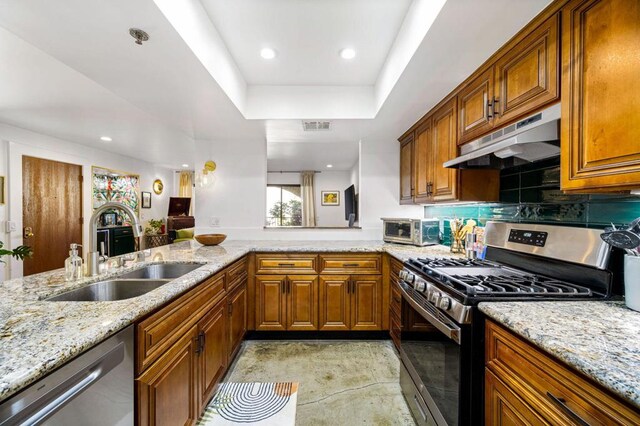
pixel 214 221
pixel 10 226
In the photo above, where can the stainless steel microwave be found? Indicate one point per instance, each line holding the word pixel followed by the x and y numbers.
pixel 418 232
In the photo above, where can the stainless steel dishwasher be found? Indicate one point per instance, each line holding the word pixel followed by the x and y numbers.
pixel 95 388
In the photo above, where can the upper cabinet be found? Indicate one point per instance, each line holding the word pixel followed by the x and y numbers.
pixel 423 163
pixel 600 95
pixel 406 170
pixel 444 148
pixel 523 79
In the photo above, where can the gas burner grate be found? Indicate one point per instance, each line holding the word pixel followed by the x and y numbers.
pixel 448 262
pixel 518 285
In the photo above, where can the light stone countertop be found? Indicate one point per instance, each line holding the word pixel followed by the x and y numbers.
pixel 599 339
pixel 37 336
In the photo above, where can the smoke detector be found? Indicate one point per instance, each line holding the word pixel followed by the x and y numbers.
pixel 139 35
pixel 315 125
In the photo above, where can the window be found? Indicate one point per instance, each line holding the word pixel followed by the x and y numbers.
pixel 284 205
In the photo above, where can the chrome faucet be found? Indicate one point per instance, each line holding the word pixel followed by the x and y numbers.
pixel 93 257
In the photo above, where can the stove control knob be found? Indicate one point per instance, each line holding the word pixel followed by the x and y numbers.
pixel 420 286
pixel 444 303
pixel 402 275
pixel 434 297
pixel 409 277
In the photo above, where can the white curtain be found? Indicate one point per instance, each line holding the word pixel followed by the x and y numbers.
pixel 185 188
pixel 308 199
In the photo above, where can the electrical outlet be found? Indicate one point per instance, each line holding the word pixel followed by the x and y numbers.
pixel 214 221
pixel 10 226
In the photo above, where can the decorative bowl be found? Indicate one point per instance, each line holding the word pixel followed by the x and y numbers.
pixel 210 239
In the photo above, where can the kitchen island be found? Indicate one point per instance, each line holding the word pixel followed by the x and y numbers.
pixel 37 336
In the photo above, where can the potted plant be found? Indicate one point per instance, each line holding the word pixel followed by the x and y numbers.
pixel 19 252
pixel 154 226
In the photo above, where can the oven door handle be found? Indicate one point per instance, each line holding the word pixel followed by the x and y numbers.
pixel 449 330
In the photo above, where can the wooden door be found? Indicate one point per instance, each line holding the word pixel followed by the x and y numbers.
pixel 473 107
pixel 366 302
pixel 600 95
pixel 445 148
pixel 237 318
pixel 504 408
pixel 406 170
pixel 271 303
pixel 302 307
pixel 166 391
pixel 212 354
pixel 423 163
pixel 527 76
pixel 335 305
pixel 52 208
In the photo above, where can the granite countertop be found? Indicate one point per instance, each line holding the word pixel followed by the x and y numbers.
pixel 37 336
pixel 599 339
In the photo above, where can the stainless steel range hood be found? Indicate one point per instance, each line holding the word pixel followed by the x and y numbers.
pixel 532 139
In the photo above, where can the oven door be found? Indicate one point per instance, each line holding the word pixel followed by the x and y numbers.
pixel 432 353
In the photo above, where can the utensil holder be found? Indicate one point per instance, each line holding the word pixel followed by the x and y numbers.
pixel 457 245
pixel 632 282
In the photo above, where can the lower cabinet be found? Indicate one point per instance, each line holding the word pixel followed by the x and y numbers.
pixel 212 352
pixel 166 391
pixel 350 302
pixel 237 312
pixel 286 302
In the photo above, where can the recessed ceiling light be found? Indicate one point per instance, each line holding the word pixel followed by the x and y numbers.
pixel 268 53
pixel 185 165
pixel 348 53
pixel 329 165
pixel 105 139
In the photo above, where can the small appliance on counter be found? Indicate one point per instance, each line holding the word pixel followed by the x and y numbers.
pixel 417 232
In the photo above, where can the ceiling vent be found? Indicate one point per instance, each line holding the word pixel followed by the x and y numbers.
pixel 315 126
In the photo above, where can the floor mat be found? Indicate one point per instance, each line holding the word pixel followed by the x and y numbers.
pixel 252 404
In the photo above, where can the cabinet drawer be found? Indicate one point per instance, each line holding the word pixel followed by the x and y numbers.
pixel 350 263
pixel 396 300
pixel 286 263
pixel 159 331
pixel 236 273
pixel 552 389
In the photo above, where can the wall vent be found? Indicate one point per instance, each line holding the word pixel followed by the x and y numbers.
pixel 315 125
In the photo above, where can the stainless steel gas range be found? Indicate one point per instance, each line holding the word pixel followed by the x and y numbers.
pixel 442 367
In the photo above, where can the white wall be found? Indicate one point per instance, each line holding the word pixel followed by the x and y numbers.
pixel 331 181
pixel 17 142
pixel 238 197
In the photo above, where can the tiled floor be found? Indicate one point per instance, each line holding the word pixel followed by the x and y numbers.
pixel 341 382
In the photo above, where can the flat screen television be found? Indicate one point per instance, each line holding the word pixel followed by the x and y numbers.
pixel 350 203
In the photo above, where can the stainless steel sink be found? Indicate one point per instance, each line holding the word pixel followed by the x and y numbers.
pixel 108 291
pixel 162 271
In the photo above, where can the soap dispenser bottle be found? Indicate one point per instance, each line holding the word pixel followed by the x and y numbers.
pixel 73 264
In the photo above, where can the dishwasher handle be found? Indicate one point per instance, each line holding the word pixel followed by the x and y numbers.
pixel 64 393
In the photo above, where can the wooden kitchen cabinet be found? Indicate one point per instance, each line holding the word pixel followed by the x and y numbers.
pixel 351 302
pixel 286 302
pixel 423 163
pixel 474 107
pixel 212 352
pixel 166 391
pixel 527 76
pixel 406 170
pixel 444 148
pixel 600 96
pixel 523 382
pixel 237 311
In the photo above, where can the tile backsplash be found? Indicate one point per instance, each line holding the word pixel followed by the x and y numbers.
pixel 531 194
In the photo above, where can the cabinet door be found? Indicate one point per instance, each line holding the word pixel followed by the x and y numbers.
pixel 445 148
pixel 335 307
pixel 504 408
pixel 302 307
pixel 212 356
pixel 271 303
pixel 527 75
pixel 237 318
pixel 166 391
pixel 600 102
pixel 406 170
pixel 423 163
pixel 473 111
pixel 366 302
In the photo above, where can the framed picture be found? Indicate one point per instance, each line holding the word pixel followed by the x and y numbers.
pixel 146 200
pixel 330 198
pixel 1 189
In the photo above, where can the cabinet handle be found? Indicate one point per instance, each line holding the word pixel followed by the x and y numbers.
pixel 494 110
pixel 560 402
pixel 350 265
pixel 287 264
pixel 348 286
pixel 230 308
pixel 489 109
pixel 353 287
pixel 288 285
pixel 200 342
